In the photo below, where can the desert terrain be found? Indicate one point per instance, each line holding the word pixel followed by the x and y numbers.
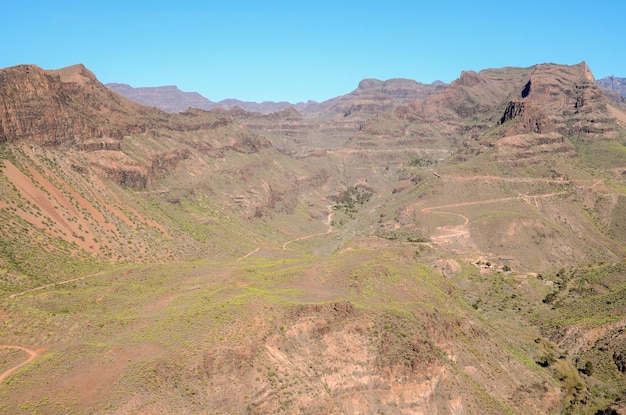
pixel 405 248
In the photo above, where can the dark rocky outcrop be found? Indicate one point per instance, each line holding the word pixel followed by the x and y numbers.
pixel 132 175
pixel 619 358
pixel 529 118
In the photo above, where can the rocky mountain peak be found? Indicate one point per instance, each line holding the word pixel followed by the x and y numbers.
pixel 76 73
pixel 469 79
pixel 370 83
pixel 586 71
pixel 372 97
pixel 558 98
pixel 65 106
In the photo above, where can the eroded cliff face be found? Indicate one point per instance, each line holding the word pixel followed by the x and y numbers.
pixel 528 118
pixel 559 98
pixel 65 107
pixel 70 107
pixel 32 107
pixel 541 99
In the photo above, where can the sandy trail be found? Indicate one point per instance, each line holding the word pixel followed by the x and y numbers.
pixel 249 254
pixel 461 230
pixel 32 356
pixel 54 283
pixel 465 218
pixel 472 178
pixel 327 222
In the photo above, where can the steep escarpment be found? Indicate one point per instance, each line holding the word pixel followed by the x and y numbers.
pixel 464 109
pixel 529 118
pixel 541 99
pixel 65 107
pixel 70 107
pixel 559 98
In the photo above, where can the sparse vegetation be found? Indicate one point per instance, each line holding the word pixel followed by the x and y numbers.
pixel 186 264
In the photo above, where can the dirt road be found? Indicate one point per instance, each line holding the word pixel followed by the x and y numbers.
pixel 53 284
pixel 32 356
pixel 328 223
pixel 461 230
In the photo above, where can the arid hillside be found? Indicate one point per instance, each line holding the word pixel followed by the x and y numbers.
pixel 403 249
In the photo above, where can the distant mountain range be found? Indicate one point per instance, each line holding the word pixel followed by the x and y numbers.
pixel 372 95
pixel 614 83
pixel 171 99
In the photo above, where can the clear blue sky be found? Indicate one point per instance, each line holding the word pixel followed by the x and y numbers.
pixel 300 50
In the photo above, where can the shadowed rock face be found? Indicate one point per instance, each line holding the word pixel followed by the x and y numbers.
pixel 530 119
pixel 561 98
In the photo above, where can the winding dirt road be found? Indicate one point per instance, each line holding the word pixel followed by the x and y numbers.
pixel 588 182
pixel 32 356
pixel 328 223
pixel 54 283
pixel 461 230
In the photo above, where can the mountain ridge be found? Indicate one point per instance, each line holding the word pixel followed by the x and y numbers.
pixel 173 100
pixel 459 250
pixel 52 99
pixel 614 83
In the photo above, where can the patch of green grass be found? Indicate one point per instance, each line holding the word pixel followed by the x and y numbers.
pixel 601 153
